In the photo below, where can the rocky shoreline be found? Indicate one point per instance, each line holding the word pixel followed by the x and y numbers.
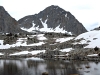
pixel 80 58
pixel 81 54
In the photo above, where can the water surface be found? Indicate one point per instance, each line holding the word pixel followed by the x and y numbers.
pixel 36 66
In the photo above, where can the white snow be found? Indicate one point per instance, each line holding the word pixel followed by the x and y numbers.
pixel 93 55
pixel 1 54
pixel 19 42
pixel 67 54
pixel 26 52
pixel 45 28
pixel 4 46
pixel 56 30
pixel 1 42
pixel 41 37
pixel 23 42
pixel 66 50
pixel 35 58
pixel 44 23
pixel 64 39
pixel 92 36
pixel 66 15
pixel 34 44
pixel 30 29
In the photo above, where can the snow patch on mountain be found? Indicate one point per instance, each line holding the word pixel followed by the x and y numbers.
pixel 56 30
pixel 45 28
pixel 91 38
pixel 44 23
pixel 30 29
pixel 66 15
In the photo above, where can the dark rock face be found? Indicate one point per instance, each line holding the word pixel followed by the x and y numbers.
pixel 98 28
pixel 54 16
pixel 7 23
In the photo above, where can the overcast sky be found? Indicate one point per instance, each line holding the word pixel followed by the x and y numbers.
pixel 86 11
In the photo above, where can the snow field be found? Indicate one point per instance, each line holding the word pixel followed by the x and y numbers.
pixel 27 52
pixel 92 36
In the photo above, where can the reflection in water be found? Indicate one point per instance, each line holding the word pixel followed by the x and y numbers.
pixel 36 66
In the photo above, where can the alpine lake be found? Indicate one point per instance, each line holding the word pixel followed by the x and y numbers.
pixel 37 66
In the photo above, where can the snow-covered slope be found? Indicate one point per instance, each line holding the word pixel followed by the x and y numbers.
pixel 92 38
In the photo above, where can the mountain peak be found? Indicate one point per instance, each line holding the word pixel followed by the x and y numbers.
pixel 1 7
pixel 3 12
pixel 7 23
pixel 53 17
pixel 53 7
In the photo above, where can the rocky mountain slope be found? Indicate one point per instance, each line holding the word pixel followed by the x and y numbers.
pixel 7 23
pixel 52 19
